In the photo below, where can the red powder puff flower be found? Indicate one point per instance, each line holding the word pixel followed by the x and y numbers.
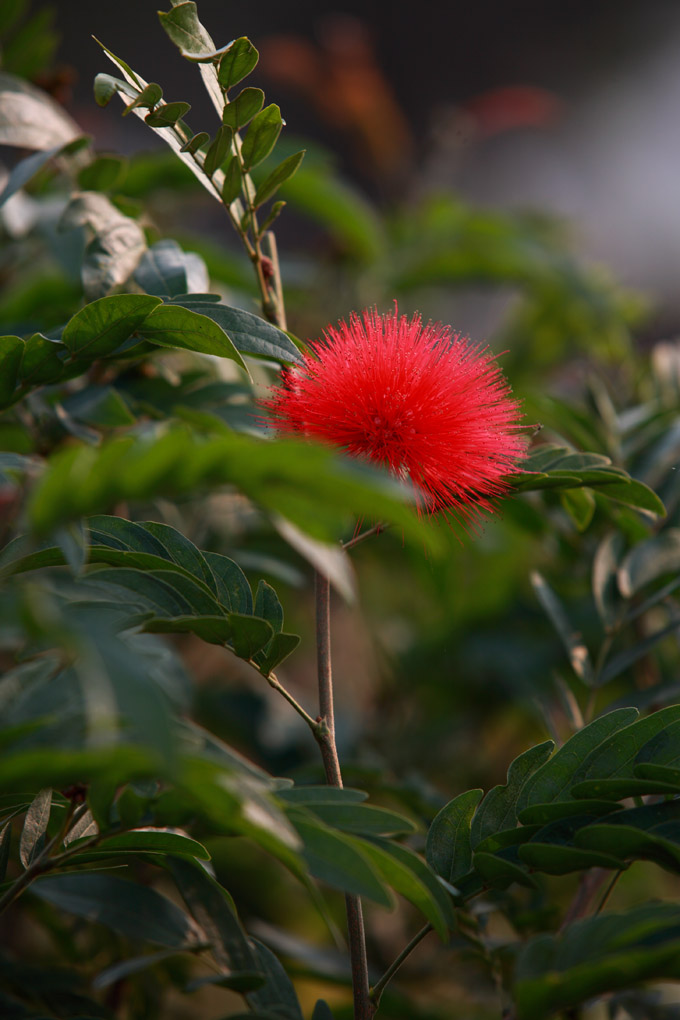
pixel 413 398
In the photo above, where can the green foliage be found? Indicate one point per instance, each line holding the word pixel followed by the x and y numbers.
pixel 142 499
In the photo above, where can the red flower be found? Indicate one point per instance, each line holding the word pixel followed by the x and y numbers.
pixel 411 397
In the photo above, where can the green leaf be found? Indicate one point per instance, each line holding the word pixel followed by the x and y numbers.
pixel 150 95
pixel 106 86
pixel 267 606
pixel 580 505
pixel 196 142
pixel 280 647
pixel 183 27
pixel 498 809
pixel 277 993
pixel 249 333
pixel 42 362
pixel 233 177
pixel 448 848
pixel 103 325
pixel 409 875
pixel 218 151
pixel 31 119
pixel 133 910
pixel 277 177
pixel 499 873
pixel 34 832
pixel 233 589
pixel 615 757
pixel 571 639
pixel 339 860
pixel 595 956
pixel 237 62
pixel 243 108
pixel 172 325
pixel 147 841
pixel 261 137
pixel 11 354
pixel 249 635
pixel 636 494
pixel 167 270
pixel 363 819
pixel 562 860
pixel 553 781
pixel 167 114
pixel 271 216
pixel 213 909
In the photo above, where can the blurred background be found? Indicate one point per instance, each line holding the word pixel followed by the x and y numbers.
pixel 567 107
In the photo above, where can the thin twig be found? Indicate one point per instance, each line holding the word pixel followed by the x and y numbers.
pixel 364 1009
pixel 588 886
pixel 380 985
pixel 608 891
pixel 375 530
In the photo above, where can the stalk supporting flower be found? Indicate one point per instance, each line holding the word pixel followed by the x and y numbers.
pixel 415 398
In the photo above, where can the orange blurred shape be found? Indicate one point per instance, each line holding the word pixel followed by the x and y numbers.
pixel 342 80
pixel 514 106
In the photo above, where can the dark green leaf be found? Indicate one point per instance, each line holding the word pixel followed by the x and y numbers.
pixel 552 782
pixel 231 188
pixel 249 634
pixel 615 758
pixel 339 860
pixel 167 114
pixel 311 795
pixel 125 968
pixel 167 270
pixel 277 650
pixel 103 325
pixel 277 177
pixel 261 137
pixel 498 873
pixel 271 216
pixel 171 325
pixel 218 151
pixel 562 860
pixel 237 62
pixel 34 831
pixel 408 874
pixel 42 362
pixel 233 589
pixel 214 911
pixel 27 168
pixel 133 910
pixel 580 505
pixel 322 1011
pixel 498 809
pixel 243 108
pixel 598 955
pixel 150 841
pixel 249 333
pixel 449 850
pixel 277 994
pixel 195 143
pixel 363 819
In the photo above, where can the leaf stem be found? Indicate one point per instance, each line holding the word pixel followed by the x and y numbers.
pixel 379 986
pixel 362 536
pixel 43 862
pixel 276 684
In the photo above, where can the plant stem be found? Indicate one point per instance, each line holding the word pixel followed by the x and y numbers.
pixel 380 986
pixel 363 535
pixel 364 1008
pixel 314 726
